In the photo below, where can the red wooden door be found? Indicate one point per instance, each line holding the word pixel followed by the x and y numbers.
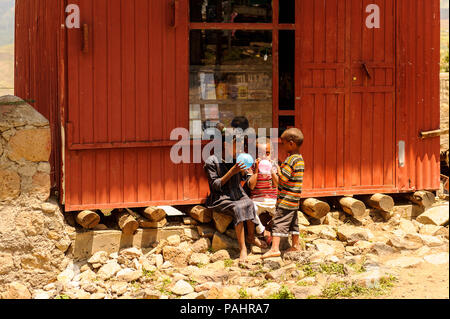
pixel 125 95
pixel 345 100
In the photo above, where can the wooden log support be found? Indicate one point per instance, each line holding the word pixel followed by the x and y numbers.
pixel 315 208
pixel 222 221
pixel 422 198
pixel 353 207
pixel 126 221
pixel 201 214
pixel 381 202
pixel 88 219
pixel 154 214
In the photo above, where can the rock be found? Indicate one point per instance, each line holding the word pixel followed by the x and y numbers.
pixel 402 243
pixel 273 263
pixel 407 226
pixel 431 241
pixel 66 276
pixel 270 289
pixel 305 292
pixel 182 288
pixel 422 251
pixel 221 241
pixel 128 274
pixel 152 294
pixel 9 185
pixel 222 221
pixel 352 234
pixel 166 265
pixel 189 221
pixel 207 286
pixel 434 230
pixel 259 251
pixel 131 253
pixel 404 262
pixel 17 290
pixel 108 270
pixel 437 259
pixel 364 246
pixel 42 295
pixel 33 145
pixel 176 255
pixel 98 295
pixel 329 247
pixel 380 249
pixel 88 275
pixel 203 275
pixel 100 257
pixel 301 257
pixel 198 259
pixel 6 263
pixel 229 292
pixel 201 214
pixel 49 208
pixel 191 233
pixel 78 294
pixel 174 240
pixel 119 287
pixel 438 215
pixel 302 220
pixel 206 231
pixel 220 255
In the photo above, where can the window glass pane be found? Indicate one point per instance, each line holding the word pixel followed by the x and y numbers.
pixel 229 11
pixel 287 11
pixel 285 122
pixel 230 76
pixel 287 70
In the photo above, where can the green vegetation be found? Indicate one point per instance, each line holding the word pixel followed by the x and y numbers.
pixel 353 290
pixel 148 273
pixel 283 293
pixel 62 297
pixel 243 294
pixel 228 262
pixel 332 268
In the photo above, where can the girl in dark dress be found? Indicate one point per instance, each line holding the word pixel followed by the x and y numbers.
pixel 227 196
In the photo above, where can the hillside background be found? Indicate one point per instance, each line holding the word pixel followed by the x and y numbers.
pixel 6 47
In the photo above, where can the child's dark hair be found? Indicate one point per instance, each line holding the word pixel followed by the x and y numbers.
pixel 294 135
pixel 240 122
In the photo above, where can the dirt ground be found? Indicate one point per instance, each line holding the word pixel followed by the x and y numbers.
pixel 425 281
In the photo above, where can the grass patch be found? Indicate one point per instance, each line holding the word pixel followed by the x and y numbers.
pixel 62 297
pixel 228 262
pixel 303 284
pixel 243 294
pixel 359 268
pixel 148 273
pixel 338 290
pixel 283 293
pixel 308 270
pixel 163 289
pixel 332 268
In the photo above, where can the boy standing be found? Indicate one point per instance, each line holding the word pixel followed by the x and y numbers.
pixel 290 184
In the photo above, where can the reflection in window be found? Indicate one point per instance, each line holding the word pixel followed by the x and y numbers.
pixel 230 76
pixel 231 11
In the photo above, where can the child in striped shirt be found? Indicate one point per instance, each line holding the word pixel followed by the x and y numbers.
pixel 290 184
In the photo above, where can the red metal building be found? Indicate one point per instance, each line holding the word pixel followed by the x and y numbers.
pixel 114 89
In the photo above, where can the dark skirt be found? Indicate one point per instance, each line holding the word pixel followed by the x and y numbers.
pixel 241 210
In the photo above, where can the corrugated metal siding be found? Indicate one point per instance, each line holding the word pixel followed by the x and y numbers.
pixel 125 97
pixel 131 89
pixel 418 50
pixel 36 64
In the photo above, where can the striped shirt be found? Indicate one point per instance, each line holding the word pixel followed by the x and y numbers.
pixel 264 188
pixel 291 182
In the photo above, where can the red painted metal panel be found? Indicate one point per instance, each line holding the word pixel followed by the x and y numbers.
pixel 126 94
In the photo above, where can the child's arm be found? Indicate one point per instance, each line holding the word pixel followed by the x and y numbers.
pixel 254 178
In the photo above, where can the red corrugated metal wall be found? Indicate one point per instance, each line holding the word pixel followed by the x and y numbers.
pixel 124 97
pixel 418 56
pixel 126 94
pixel 36 65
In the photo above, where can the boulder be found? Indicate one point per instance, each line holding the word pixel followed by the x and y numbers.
pixel 407 226
pixel 380 249
pixel 201 246
pixel 108 270
pixel 17 290
pixel 176 255
pixel 220 255
pixel 198 259
pixel 221 241
pixel 182 288
pixel 351 235
pixel 438 215
pixel 222 221
pixel 206 231
pixel 174 240
pixel 100 257
pixel 128 274
pixel 402 243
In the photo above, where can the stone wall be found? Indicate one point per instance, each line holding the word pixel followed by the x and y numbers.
pixel 33 236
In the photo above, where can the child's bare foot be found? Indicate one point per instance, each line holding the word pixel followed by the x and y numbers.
pixel 243 255
pixel 268 237
pixel 293 249
pixel 255 241
pixel 271 254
